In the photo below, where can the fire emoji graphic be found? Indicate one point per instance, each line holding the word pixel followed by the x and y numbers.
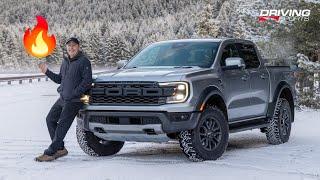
pixel 37 42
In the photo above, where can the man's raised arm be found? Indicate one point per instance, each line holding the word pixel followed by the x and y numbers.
pixel 53 76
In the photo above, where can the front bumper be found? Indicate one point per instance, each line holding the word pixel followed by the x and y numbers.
pixel 136 125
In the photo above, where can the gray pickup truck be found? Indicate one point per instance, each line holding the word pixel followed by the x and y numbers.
pixel 196 91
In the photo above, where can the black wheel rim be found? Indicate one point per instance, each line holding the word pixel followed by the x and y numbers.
pixel 285 121
pixel 210 133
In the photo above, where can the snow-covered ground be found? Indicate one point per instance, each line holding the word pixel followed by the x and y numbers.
pixel 23 135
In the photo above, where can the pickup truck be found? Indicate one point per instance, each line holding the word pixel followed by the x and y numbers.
pixel 196 91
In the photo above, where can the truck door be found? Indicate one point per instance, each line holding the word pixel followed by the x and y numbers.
pixel 259 79
pixel 236 86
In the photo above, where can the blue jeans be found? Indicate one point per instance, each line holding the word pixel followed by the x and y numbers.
pixel 59 121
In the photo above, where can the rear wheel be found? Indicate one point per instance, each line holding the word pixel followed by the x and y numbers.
pixel 279 128
pixel 209 140
pixel 94 146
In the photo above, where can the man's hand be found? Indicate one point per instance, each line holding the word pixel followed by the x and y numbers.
pixel 43 67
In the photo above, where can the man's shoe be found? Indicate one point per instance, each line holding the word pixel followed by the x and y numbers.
pixel 44 158
pixel 60 153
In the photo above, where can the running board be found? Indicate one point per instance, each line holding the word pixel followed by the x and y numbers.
pixel 247 125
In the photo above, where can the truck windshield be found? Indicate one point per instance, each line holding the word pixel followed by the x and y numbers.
pixel 176 54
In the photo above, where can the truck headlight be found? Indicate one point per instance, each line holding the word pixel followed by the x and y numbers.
pixel 180 93
pixel 85 99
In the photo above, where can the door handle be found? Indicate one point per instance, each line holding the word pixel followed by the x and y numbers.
pixel 263 76
pixel 220 82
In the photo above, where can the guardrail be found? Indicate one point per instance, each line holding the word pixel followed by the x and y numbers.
pixel 20 79
pixel 30 78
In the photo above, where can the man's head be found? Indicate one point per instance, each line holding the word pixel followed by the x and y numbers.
pixel 73 47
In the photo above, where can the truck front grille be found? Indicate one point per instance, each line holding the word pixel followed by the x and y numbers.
pixel 129 93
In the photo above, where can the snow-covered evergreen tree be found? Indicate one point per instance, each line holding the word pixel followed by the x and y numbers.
pixel 208 26
pixel 308 82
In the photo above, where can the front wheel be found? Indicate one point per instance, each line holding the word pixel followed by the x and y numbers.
pixel 94 146
pixel 209 140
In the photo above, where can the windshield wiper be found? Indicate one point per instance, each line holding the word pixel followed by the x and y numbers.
pixel 131 67
pixel 183 66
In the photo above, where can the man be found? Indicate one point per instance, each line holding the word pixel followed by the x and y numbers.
pixel 75 78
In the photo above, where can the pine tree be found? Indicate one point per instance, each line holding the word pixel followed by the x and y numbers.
pixel 239 29
pixel 115 51
pixel 208 26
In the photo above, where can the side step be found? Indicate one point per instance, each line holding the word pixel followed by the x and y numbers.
pixel 243 125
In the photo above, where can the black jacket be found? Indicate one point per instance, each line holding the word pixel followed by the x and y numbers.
pixel 75 77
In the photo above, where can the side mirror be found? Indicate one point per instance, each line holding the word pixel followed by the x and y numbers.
pixel 121 63
pixel 234 63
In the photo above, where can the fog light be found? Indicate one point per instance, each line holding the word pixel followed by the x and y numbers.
pixel 178 117
pixel 85 99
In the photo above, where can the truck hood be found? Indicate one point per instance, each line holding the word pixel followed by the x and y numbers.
pixel 147 74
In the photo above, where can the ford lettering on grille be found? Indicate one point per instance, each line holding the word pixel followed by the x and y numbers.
pixel 133 93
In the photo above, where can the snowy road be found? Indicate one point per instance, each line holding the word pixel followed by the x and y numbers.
pixel 23 135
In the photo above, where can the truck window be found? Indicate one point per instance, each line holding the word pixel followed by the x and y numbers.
pixel 229 51
pixel 249 55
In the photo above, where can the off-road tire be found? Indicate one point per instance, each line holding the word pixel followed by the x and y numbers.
pixel 195 143
pixel 94 146
pixel 279 128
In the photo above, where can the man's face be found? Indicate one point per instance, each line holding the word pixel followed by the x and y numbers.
pixel 72 49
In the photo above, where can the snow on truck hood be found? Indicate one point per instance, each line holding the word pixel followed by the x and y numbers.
pixel 147 74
